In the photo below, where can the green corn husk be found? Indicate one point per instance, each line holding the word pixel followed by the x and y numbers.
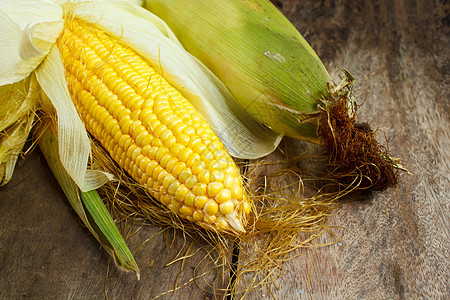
pixel 268 66
pixel 88 205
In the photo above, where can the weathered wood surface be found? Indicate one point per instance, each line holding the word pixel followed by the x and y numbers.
pixel 398 241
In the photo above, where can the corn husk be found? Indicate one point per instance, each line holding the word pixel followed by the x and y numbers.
pixel 88 205
pixel 268 66
pixel 16 120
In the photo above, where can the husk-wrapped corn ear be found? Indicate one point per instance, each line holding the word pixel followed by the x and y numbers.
pixel 277 78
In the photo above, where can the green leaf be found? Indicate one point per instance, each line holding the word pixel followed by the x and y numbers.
pixel 108 234
pixel 88 205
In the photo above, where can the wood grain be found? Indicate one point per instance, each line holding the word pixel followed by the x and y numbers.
pixel 397 243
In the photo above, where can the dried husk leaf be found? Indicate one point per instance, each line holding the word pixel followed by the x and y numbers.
pixel 17 105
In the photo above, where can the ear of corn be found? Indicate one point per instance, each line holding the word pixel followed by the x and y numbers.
pixel 150 130
pixel 137 112
pixel 268 66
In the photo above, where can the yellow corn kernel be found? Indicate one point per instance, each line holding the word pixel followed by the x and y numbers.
pixel 199 147
pixel 162 175
pixel 171 164
pixel 175 149
pixel 170 142
pixel 247 207
pixel 181 192
pixel 194 158
pixel 211 208
pixel 229 181
pixel 223 196
pixel 189 199
pixel 168 180
pixel 215 145
pixel 198 167
pixel 226 207
pixel 184 175
pixel 180 166
pixel 151 168
pixel 165 159
pixel 198 215
pixel 207 155
pixel 174 208
pixel 200 201
pixel 173 187
pixel 185 154
pixel 217 175
pixel 187 210
pixel 152 152
pixel 199 189
pixel 183 139
pixel 160 153
pixel 146 149
pixel 214 165
pixel 237 192
pixel 191 181
pixel 210 219
pixel 221 223
pixel 165 199
pixel 178 128
pixel 190 131
pixel 204 176
pixel 232 170
pixel 214 188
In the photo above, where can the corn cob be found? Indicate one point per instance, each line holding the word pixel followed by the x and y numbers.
pixel 150 130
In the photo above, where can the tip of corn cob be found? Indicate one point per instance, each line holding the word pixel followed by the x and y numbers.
pixel 235 222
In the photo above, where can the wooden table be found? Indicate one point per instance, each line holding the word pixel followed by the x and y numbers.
pixel 398 240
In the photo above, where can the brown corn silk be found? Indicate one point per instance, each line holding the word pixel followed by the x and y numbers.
pixel 355 157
